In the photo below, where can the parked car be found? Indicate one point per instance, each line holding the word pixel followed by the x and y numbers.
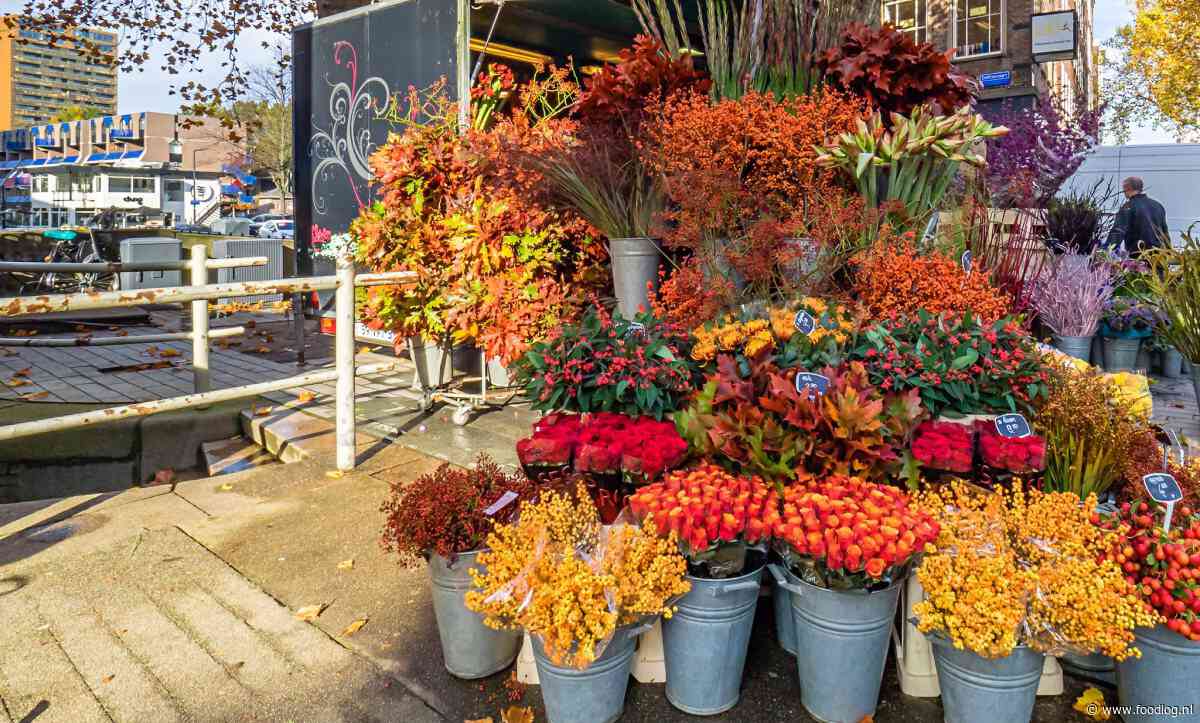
pixel 256 222
pixel 192 228
pixel 282 228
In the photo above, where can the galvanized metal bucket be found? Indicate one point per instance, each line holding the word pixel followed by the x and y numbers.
pixel 982 690
pixel 1165 681
pixel 1172 363
pixel 1196 381
pixel 1120 355
pixel 595 694
pixel 785 624
pixel 1079 347
pixel 705 643
pixel 841 646
pixel 1097 667
pixel 634 266
pixel 470 648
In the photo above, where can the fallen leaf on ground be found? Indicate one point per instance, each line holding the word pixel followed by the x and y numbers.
pixel 346 564
pixel 335 474
pixel 22 372
pixel 305 396
pixel 122 333
pixel 35 395
pixel 354 627
pixel 250 324
pixel 263 350
pixel 514 714
pixel 261 411
pixel 1091 704
pixel 25 332
pixel 16 382
pixel 164 476
pixel 225 487
pixel 364 349
pixel 478 720
pixel 166 353
pixel 310 612
pixel 108 678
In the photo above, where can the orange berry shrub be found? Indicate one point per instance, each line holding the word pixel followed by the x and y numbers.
pixel 893 278
pixel 741 176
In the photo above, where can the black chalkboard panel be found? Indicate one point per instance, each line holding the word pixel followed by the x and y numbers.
pixel 347 68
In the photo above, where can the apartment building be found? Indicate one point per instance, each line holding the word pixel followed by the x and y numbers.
pixel 120 163
pixel 1016 49
pixel 37 80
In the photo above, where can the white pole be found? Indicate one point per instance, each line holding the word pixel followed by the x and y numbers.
pixel 201 376
pixel 344 352
pixel 116 340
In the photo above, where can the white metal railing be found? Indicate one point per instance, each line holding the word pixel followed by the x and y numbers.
pixel 198 294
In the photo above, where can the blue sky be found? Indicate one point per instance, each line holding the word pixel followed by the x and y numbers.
pixel 147 90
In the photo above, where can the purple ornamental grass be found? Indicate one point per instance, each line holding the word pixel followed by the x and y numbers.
pixel 1072 296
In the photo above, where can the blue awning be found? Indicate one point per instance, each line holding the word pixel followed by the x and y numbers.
pixel 94 158
pixel 246 198
pixel 7 165
pixel 53 161
pixel 132 155
pixel 247 179
pixel 229 189
pixel 37 162
pixel 107 122
pixel 115 156
pixel 70 159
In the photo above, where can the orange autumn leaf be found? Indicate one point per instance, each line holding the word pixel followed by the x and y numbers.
pixel 305 396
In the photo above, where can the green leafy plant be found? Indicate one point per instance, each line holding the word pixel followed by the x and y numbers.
pixel 760 423
pixel 606 364
pixel 1174 285
pixel 958 365
pixel 912 159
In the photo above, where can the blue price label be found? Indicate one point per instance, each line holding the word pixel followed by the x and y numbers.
pixel 1162 488
pixel 967 261
pixel 636 328
pixel 1012 425
pixel 805 323
pixel 815 384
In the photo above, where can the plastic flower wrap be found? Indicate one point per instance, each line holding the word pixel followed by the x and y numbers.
pixel 944 446
pixel 570 582
pixel 1132 391
pixel 844 533
pixel 1030 569
pixel 715 514
pixel 1019 455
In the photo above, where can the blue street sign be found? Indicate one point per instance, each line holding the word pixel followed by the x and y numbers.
pixel 998 79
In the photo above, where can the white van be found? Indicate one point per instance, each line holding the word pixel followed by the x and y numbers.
pixel 1171 173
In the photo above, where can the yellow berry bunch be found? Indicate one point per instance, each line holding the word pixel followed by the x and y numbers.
pixel 559 575
pixel 1025 568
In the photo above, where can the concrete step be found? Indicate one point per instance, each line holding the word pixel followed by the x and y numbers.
pixel 292 435
pixel 233 455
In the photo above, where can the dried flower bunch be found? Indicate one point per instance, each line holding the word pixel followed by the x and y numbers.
pixel 714 513
pixel 1070 298
pixel 844 533
pixel 443 512
pixel 1018 568
pixel 560 575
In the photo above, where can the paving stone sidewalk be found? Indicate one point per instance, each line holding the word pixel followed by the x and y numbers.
pixel 157 628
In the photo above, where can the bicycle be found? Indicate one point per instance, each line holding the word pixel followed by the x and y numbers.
pixel 71 246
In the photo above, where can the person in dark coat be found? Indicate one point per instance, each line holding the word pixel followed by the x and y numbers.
pixel 1141 223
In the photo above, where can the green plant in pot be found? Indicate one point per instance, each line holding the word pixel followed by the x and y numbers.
pixel 1173 285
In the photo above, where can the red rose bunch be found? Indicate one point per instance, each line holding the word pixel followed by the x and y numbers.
pixel 1019 455
pixel 1165 567
pixel 853 531
pixel 945 446
pixel 706 506
pixel 605 442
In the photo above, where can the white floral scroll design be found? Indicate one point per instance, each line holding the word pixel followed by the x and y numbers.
pixel 342 151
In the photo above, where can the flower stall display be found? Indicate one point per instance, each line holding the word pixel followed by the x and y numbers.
pixel 828 329
pixel 606 364
pixel 763 423
pixel 1014 576
pixel 444 517
pixel 1164 567
pixel 958 365
pixel 1014 455
pixel 581 591
pixel 1173 283
pixel 847 546
pixel 718 518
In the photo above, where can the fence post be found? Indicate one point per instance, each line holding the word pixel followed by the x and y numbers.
pixel 201 377
pixel 344 353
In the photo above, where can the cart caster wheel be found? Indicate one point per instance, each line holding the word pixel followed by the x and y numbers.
pixel 426 404
pixel 461 416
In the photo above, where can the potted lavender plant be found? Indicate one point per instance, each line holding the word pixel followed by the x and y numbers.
pixel 1070 298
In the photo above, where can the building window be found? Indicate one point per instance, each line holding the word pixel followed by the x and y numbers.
pixel 173 191
pixel 909 16
pixel 130 184
pixel 978 28
pixel 41 184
